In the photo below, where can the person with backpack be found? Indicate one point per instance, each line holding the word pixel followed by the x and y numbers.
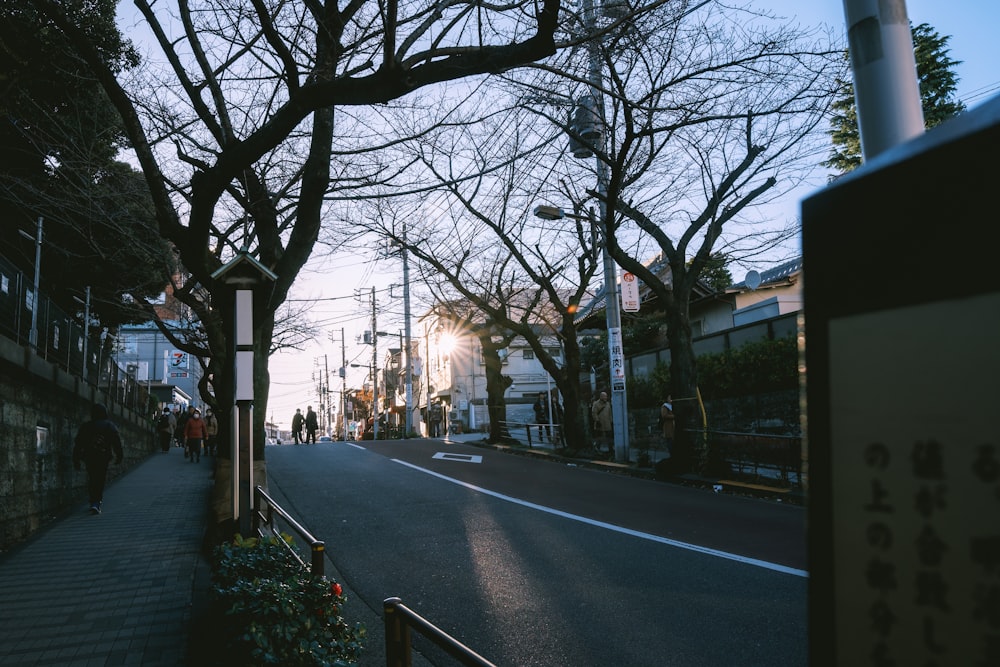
pixel 195 434
pixel 166 424
pixel 96 443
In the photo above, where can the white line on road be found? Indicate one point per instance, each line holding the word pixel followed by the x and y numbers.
pixel 465 458
pixel 619 529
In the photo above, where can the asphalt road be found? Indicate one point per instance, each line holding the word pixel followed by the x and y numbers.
pixel 536 563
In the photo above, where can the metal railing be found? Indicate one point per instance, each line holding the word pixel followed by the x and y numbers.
pixel 60 340
pixel 762 455
pixel 265 526
pixel 399 619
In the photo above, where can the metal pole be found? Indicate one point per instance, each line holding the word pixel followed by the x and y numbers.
pixel 408 369
pixel 86 330
pixel 326 396
pixel 886 90
pixel 343 382
pixel 33 334
pixel 374 370
pixel 616 357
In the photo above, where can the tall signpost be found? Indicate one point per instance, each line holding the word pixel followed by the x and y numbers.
pixel 245 275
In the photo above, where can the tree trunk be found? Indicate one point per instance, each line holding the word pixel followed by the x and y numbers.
pixel 496 385
pixel 689 452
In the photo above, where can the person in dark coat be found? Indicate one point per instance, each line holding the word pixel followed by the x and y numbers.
pixel 166 424
pixel 311 425
pixel 297 421
pixel 541 408
pixel 96 443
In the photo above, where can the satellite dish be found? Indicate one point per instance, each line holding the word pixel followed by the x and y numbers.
pixel 753 279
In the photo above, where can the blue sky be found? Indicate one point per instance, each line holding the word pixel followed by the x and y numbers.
pixel 971 24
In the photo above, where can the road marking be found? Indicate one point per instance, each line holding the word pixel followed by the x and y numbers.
pixel 618 529
pixel 465 458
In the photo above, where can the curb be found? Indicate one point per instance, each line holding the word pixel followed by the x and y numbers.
pixel 718 485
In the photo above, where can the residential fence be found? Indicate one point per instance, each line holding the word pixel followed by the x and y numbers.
pixel 64 339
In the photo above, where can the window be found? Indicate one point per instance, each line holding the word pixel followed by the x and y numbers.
pixel 529 354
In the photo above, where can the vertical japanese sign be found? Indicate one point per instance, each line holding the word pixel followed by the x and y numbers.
pixel 630 293
pixel 915 464
pixel 617 359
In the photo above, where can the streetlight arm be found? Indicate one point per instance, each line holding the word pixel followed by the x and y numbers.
pixel 556 213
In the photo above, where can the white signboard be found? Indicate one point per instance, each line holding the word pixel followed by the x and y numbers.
pixel 177 364
pixel 617 357
pixel 916 474
pixel 630 293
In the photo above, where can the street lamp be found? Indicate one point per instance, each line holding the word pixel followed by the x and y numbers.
pixel 613 319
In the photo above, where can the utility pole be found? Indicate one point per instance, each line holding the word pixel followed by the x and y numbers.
pixel 326 396
pixel 408 368
pixel 374 369
pixel 343 382
pixel 616 357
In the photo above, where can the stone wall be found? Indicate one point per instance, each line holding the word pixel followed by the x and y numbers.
pixel 41 408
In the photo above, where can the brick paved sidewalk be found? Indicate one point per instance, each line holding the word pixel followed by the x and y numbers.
pixel 113 589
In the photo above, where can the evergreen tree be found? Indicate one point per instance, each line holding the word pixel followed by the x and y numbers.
pixel 937 79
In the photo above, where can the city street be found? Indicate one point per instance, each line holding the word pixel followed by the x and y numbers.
pixel 536 563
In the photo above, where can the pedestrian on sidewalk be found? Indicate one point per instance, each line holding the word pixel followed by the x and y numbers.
pixel 311 425
pixel 179 433
pixel 211 432
pixel 600 411
pixel 667 422
pixel 297 422
pixel 96 443
pixel 166 424
pixel 194 435
pixel 541 408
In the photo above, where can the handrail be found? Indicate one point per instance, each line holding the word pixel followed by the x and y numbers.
pixel 265 524
pixel 398 621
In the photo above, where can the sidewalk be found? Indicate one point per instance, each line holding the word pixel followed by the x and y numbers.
pixel 113 589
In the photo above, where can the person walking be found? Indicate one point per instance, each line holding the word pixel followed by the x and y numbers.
pixel 96 443
pixel 667 422
pixel 600 411
pixel 211 431
pixel 194 435
pixel 541 408
pixel 437 414
pixel 166 424
pixel 297 422
pixel 557 417
pixel 179 433
pixel 311 425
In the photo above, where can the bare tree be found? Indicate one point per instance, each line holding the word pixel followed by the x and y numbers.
pixel 487 261
pixel 698 114
pixel 233 123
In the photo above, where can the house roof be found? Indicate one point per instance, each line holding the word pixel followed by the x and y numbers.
pixel 782 274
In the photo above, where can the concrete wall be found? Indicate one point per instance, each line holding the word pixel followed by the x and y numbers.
pixel 41 408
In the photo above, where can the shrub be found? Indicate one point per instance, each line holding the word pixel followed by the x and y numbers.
pixel 276 611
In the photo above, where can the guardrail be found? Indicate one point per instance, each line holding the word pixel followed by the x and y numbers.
pixel 264 525
pixel 759 454
pixel 399 619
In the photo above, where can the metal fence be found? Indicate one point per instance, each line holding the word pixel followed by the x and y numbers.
pixel 399 619
pixel 64 340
